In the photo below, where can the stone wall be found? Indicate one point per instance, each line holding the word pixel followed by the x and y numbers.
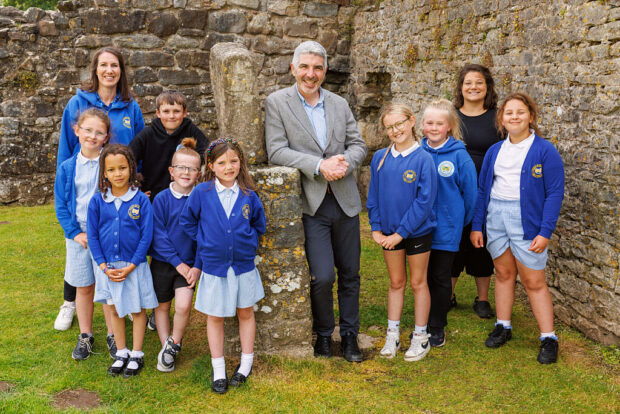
pixel 565 54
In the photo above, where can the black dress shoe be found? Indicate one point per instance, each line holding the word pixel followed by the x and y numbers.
pixel 350 351
pixel 132 372
pixel 220 386
pixel 116 370
pixel 483 308
pixel 323 346
pixel 238 378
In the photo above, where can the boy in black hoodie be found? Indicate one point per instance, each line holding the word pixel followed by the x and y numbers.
pixel 156 144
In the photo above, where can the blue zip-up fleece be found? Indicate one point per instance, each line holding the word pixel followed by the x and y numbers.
pixel 401 195
pixel 65 198
pixel 123 235
pixel 542 189
pixel 223 241
pixel 125 121
pixel 170 243
pixel 456 192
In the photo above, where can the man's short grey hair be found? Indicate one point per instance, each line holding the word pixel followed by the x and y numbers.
pixel 311 47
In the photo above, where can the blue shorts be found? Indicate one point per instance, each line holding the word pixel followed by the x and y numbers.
pixel 504 230
pixel 79 270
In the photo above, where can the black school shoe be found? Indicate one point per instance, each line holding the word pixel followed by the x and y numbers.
pixel 220 386
pixel 238 378
pixel 84 347
pixel 111 345
pixel 498 337
pixel 350 350
pixel 438 338
pixel 117 370
pixel 323 346
pixel 132 372
pixel 548 351
pixel 483 309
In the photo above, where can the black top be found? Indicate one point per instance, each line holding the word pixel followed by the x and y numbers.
pixel 479 133
pixel 155 148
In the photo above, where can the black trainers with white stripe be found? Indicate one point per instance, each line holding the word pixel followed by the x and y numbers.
pixel 84 347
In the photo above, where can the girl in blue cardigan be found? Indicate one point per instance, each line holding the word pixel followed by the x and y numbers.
pixel 521 188
pixel 401 194
pixel 120 230
pixel 76 183
pixel 225 217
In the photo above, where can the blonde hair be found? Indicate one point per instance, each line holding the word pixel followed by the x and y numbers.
pixel 454 120
pixel 400 109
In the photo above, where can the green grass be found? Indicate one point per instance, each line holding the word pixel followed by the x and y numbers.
pixel 462 376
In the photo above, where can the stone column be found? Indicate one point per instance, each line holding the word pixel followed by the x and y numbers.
pixel 233 81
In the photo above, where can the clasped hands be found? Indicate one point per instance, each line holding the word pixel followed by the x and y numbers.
pixel 387 242
pixel 334 167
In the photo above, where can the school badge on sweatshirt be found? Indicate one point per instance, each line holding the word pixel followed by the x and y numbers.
pixel 537 171
pixel 246 211
pixel 127 122
pixel 134 211
pixel 445 168
pixel 409 176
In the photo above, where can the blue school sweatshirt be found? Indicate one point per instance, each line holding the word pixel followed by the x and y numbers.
pixel 401 195
pixel 65 198
pixel 125 121
pixel 223 241
pixel 170 243
pixel 542 189
pixel 125 234
pixel 456 192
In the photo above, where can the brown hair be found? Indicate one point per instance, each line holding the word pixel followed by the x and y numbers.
pixel 95 113
pixel 531 106
pixel 187 147
pixel 92 84
pixel 171 98
pixel 453 118
pixel 218 148
pixel 395 108
pixel 117 149
pixel 490 100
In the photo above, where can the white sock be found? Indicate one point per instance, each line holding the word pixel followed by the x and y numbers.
pixel 551 334
pixel 420 330
pixel 246 363
pixel 120 353
pixel 219 368
pixel 394 326
pixel 506 324
pixel 134 354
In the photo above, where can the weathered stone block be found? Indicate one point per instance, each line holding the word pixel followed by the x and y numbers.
pixel 273 45
pixel 47 28
pixel 300 27
pixel 93 41
pixel 144 75
pixel 151 59
pixel 193 19
pixel 250 4
pixel 227 22
pixel 233 80
pixel 162 24
pixel 138 41
pixel 179 77
pixel 283 7
pixel 315 9
pixel 147 90
pixel 260 24
pixel 180 42
pixel 108 21
pixel 151 4
pixel 66 77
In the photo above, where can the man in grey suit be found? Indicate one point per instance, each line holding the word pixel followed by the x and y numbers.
pixel 312 129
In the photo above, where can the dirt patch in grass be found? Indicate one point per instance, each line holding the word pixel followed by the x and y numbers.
pixel 80 399
pixel 4 222
pixel 5 386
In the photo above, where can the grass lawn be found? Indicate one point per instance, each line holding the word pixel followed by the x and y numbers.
pixel 463 376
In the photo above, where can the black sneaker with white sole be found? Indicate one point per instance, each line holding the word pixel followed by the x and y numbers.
pixel 499 336
pixel 150 323
pixel 438 338
pixel 111 345
pixel 548 351
pixel 84 347
pixel 167 355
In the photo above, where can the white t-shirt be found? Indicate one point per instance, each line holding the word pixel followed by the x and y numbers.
pixel 507 169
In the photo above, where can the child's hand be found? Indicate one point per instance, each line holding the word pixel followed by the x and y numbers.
pixel 118 275
pixel 378 237
pixel 183 269
pixel 82 239
pixel 389 242
pixel 477 239
pixel 192 276
pixel 539 244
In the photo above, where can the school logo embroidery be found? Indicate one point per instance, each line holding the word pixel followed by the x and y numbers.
pixel 246 211
pixel 537 171
pixel 127 122
pixel 445 168
pixel 409 176
pixel 134 211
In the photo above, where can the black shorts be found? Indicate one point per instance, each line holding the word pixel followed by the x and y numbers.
pixel 415 245
pixel 475 261
pixel 165 280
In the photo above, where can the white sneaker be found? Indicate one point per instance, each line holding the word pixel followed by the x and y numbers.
pixel 392 344
pixel 419 347
pixel 65 316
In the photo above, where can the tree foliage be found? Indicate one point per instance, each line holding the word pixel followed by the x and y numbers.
pixel 25 4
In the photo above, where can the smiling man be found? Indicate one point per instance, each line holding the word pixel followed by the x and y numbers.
pixel 312 129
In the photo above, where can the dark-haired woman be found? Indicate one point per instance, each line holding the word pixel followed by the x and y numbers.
pixel 476 102
pixel 108 90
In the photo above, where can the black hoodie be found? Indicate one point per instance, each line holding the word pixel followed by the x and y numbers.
pixel 155 148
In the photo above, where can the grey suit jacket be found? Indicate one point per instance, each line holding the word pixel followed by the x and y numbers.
pixel 291 142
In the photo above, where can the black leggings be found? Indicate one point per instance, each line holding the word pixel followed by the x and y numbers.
pixel 440 287
pixel 69 292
